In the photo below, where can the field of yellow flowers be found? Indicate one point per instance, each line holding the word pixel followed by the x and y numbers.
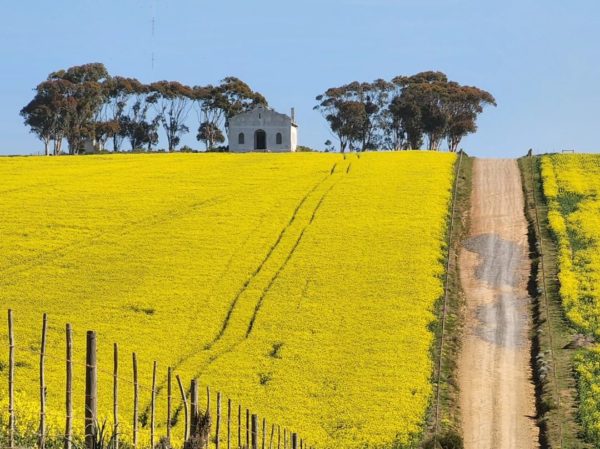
pixel 301 285
pixel 572 188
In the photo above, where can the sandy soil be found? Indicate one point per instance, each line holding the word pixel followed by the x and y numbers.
pixel 497 394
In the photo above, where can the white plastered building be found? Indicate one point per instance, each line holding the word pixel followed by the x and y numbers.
pixel 262 129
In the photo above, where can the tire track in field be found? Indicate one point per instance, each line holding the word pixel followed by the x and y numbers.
pixel 230 348
pixel 213 358
pixel 257 271
pixel 265 260
pixel 287 259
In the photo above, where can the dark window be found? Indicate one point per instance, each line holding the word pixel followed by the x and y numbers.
pixel 241 139
pixel 279 139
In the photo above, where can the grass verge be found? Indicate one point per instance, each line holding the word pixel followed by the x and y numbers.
pixel 552 357
pixel 449 426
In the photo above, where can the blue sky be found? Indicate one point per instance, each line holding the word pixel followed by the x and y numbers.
pixel 540 59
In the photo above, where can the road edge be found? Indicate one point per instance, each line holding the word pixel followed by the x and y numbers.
pixel 449 433
pixel 552 362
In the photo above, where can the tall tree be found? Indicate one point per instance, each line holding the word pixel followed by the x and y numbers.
pixel 83 94
pixel 172 104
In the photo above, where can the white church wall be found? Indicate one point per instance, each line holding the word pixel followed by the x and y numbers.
pixel 267 120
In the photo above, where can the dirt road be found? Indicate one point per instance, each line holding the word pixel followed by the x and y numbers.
pixel 497 394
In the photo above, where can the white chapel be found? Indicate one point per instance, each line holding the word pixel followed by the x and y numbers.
pixel 262 129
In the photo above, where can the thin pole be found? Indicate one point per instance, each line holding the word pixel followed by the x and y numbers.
pixel 135 400
pixel 254 431
pixel 284 438
pixel 11 381
pixel 278 437
pixel 91 392
pixel 264 433
pixel 153 406
pixel 239 426
pixel 207 401
pixel 218 426
pixel 169 401
pixel 272 434
pixel 185 408
pixel 247 428
pixel 193 406
pixel 69 389
pixel 229 424
pixel 116 395
pixel 294 440
pixel 42 436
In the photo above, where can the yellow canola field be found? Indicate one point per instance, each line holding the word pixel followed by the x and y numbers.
pixel 572 189
pixel 302 286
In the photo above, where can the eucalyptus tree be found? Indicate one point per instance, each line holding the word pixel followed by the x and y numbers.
pixel 172 102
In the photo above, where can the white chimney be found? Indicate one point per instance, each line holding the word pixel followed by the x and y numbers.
pixel 293 115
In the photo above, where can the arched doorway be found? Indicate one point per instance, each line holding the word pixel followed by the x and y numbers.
pixel 260 140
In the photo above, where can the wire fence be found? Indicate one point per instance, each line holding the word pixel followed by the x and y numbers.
pixel 203 428
pixel 436 426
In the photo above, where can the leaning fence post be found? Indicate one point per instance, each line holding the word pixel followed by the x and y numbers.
pixel 153 406
pixel 42 436
pixel 11 381
pixel 218 424
pixel 91 391
pixel 69 389
pixel 264 433
pixel 294 440
pixel 135 400
pixel 272 434
pixel 116 396
pixel 185 408
pixel 169 400
pixel 254 431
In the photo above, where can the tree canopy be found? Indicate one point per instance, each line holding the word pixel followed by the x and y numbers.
pixel 403 112
pixel 85 104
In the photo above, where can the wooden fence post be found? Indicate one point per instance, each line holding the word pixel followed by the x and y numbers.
pixel 69 389
pixel 229 424
pixel 254 431
pixel 116 396
pixel 169 401
pixel 193 406
pixel 153 406
pixel 135 400
pixel 218 424
pixel 294 440
pixel 284 438
pixel 42 436
pixel 207 401
pixel 247 428
pixel 11 381
pixel 91 391
pixel 185 408
pixel 239 426
pixel 264 433
pixel 272 434
pixel 278 437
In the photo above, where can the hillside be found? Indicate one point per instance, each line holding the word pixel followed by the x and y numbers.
pixel 302 284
